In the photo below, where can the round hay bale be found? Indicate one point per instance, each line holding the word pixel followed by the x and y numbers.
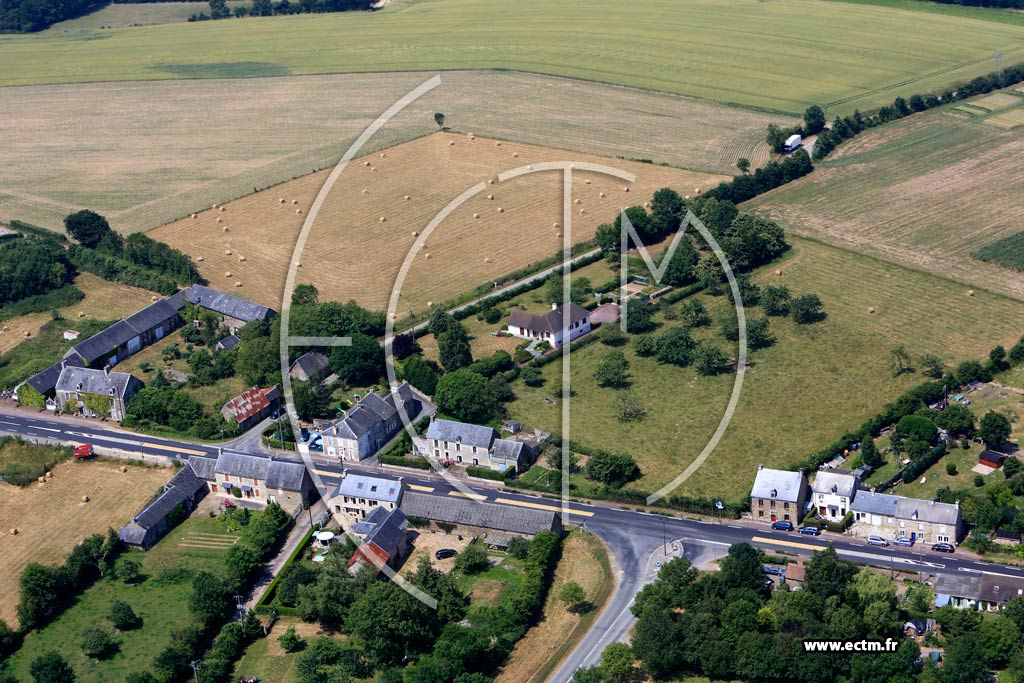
pixel 200 259
pixel 490 196
pixel 430 304
pixel 27 333
pixel 579 201
pixel 298 264
pixel 49 474
pixel 81 314
pixel 85 499
pixel 696 190
pixel 222 209
pixel 556 225
pixel 778 271
pixel 587 181
pixel 451 142
pixel 366 192
pixel 122 469
pixel 216 206
pixel 374 169
pixel 7 328
pixel 383 219
pixel 583 212
pixel 14 531
pixel 498 143
pixel 295 202
pixel 415 233
pixel 154 298
pixel 529 167
pixel 476 215
pixel 487 259
pixel 280 200
pixel 625 188
pixel 426 257
pixel 558 234
pixel 219 219
pixel 491 181
pixel 602 195
pixel 367 164
pixel 227 274
pixel 871 309
pixel 195 216
pixel 515 155
pixel 42 480
pixel 647 205
pixel 501 210
pixel 970 292
pixel 238 284
pixel 382 155
pixel 241 259
pixel 227 229
pixel 407 197
pixel 299 211
pixel 227 252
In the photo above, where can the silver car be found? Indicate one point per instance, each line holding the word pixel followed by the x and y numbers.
pixel 877 540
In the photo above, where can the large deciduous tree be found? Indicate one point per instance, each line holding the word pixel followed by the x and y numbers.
pixel 88 228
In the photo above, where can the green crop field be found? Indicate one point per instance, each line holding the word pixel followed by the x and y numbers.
pixel 816 382
pixel 1008 251
pixel 926 192
pixel 781 55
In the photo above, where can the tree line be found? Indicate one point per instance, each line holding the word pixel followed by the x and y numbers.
pixel 268 8
pixel 27 16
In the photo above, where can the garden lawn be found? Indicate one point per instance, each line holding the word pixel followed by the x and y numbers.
pixel 816 382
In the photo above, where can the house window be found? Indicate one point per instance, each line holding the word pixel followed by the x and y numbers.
pixel 213 487
pixel 772 504
pixel 458 458
pixel 476 461
pixel 255 482
pixel 785 506
pixel 920 526
pixel 903 524
pixel 760 513
pixel 760 502
pixel 257 493
pixel 785 517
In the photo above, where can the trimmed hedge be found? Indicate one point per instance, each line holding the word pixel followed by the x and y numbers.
pixel 920 465
pixel 417 463
pixel 484 473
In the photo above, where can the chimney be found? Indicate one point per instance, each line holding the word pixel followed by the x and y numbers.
pixel 554 306
pixel 106 370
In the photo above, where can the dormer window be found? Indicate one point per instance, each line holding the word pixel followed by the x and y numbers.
pixel 775 493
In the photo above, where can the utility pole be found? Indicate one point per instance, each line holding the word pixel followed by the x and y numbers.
pixel 238 603
pixel 998 57
pixel 195 667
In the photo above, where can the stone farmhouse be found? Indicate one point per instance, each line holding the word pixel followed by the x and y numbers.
pixel 888 516
pixel 778 496
pixel 386 541
pixel 311 366
pixel 832 493
pixel 251 406
pixel 358 495
pixel 185 489
pixel 548 327
pixel 476 445
pixel 369 424
pixel 94 393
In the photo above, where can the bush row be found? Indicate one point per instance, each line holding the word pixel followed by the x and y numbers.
pixel 68 295
pixel 484 473
pixel 768 177
pixel 576 345
pixel 847 127
pixel 417 463
pixel 920 465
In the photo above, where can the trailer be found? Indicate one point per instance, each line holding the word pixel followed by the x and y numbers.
pixel 84 451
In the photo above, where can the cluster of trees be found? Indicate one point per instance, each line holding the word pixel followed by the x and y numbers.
pixel 814 123
pixel 730 625
pixel 46 591
pixel 267 8
pixel 134 260
pixel 748 241
pixel 27 16
pixel 31 266
pixel 773 174
pixel 392 628
pixel 846 127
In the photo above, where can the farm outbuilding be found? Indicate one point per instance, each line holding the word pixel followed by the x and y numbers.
pixel 185 489
pixel 480 516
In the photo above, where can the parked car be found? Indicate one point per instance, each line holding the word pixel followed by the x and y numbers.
pixel 782 526
pixel 317 444
pixel 943 547
pixel 877 540
pixel 84 451
pixel 445 553
pixel 904 541
pixel 810 531
pixel 773 570
pixel 304 434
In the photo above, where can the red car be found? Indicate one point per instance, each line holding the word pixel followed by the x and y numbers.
pixel 84 451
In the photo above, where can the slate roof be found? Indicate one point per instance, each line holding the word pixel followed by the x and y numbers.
pixel 250 402
pixel 550 321
pixel 181 487
pixel 203 467
pixel 46 380
pixel 927 511
pixel 227 304
pixel 178 299
pixel 92 381
pixel 958 585
pixel 99 345
pixel 311 363
pixel 366 526
pixel 151 316
pixel 786 485
pixel 475 513
pixel 875 503
pixel 276 474
pixel 506 449
pixel 373 488
pixel 843 483
pixel 993 456
pixel 390 533
pixel 460 432
pixel 229 342
pixel 368 412
pixel 1000 588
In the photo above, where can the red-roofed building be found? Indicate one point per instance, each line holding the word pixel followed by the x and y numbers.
pixel 251 406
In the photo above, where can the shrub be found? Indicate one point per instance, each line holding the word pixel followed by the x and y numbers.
pixel 290 641
pixel 122 616
pixel 979 481
pixel 951 469
pixel 473 559
pixel 97 642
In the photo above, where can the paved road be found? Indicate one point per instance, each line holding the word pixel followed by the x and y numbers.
pixel 631 536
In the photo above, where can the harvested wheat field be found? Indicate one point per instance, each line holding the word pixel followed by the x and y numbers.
pixel 925 192
pixel 103 300
pixel 136 152
pixel 51 518
pixel 384 200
